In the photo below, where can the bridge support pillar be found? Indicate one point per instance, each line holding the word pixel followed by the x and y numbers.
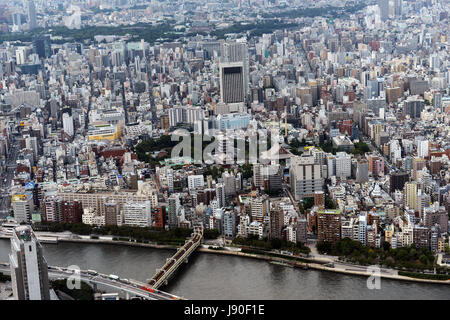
pixel 94 286
pixel 127 296
pixel 186 260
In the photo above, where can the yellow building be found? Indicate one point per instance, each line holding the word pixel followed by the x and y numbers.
pixel 411 195
pixel 388 233
pixel 104 132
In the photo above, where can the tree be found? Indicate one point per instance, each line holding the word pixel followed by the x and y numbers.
pixel 324 246
pixel 84 293
pixel 275 243
pixel 329 203
pixel 423 259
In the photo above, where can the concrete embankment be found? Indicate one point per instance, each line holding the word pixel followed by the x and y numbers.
pixel 317 266
pixel 120 242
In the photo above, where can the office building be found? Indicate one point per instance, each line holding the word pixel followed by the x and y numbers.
pixel 23 206
pixel 305 176
pixel 362 171
pixel 137 214
pixel 29 270
pixel 232 88
pixel 32 23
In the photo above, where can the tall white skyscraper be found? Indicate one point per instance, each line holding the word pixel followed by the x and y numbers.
pixel 422 148
pixel 67 123
pixel 29 270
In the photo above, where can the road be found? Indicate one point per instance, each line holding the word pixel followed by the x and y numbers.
pixel 132 287
pixel 6 179
pixel 367 141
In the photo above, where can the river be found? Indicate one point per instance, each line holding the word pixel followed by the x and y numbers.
pixel 214 276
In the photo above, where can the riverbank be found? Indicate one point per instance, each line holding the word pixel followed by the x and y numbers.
pixel 296 264
pixel 317 266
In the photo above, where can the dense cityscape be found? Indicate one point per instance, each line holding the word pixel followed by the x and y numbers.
pixel 310 134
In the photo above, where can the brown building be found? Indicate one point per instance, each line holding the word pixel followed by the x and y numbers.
pixel 421 237
pixel 111 212
pixel 276 223
pixel 164 122
pixel 435 166
pixel 319 199
pixel 329 225
pixel 393 94
pixel 72 211
pixel 158 216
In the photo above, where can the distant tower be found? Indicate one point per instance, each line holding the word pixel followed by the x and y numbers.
pixel 232 84
pixel 234 71
pixel 32 15
pixel 29 270
pixel 384 9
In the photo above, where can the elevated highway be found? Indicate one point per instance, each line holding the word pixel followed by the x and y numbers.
pixel 129 287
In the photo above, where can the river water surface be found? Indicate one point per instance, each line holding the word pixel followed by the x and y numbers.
pixel 214 276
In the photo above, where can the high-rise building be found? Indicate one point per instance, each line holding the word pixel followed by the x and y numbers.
pixel 411 195
pixel 258 178
pixel 329 225
pixel 305 176
pixel 229 182
pixel 195 181
pixel 397 181
pixel 51 209
pixel 42 46
pixel 72 211
pixel 23 206
pixel 362 229
pixel 418 164
pixel 29 270
pixel 232 85
pixel 229 224
pixel 32 23
pixel 67 123
pixel 137 214
pixel 276 222
pixel 343 165
pixel 111 210
pixel 423 148
pixel 384 9
pixel 220 195
pixel 158 216
pixel 237 52
pixel 174 208
pixel 398 8
pixel 362 171
pixel 413 107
